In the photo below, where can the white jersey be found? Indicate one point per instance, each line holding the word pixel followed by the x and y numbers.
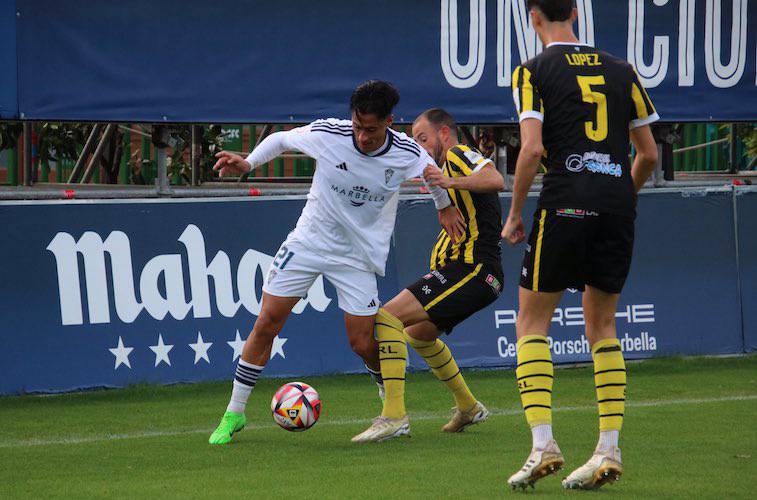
pixel 352 204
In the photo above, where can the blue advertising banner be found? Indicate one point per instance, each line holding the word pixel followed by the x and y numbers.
pixel 8 77
pixel 746 208
pixel 159 61
pixel 113 293
pixel 681 296
pixel 109 294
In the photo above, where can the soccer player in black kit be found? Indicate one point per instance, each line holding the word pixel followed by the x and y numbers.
pixel 578 108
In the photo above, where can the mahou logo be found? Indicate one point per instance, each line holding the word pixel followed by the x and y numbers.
pixel 93 248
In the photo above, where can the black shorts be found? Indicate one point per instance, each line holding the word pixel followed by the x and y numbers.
pixel 456 291
pixel 571 248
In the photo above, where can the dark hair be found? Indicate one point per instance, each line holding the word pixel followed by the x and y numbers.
pixel 374 97
pixel 554 10
pixel 439 117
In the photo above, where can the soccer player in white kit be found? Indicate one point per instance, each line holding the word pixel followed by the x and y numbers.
pixel 343 232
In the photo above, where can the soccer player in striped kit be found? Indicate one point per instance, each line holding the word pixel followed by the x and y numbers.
pixel 578 108
pixel 465 276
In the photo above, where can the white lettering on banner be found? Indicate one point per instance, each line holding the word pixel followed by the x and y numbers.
pixel 651 75
pixel 585 21
pixel 92 248
pixel 574 316
pixel 643 343
pixel 458 75
pixel 686 37
pixel 528 42
pixel 230 133
pixel 725 75
pixel 507 317
pixel 511 12
pixel 513 21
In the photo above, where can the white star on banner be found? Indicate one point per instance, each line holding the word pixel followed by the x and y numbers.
pixel 161 351
pixel 278 347
pixel 201 349
pixel 237 344
pixel 121 353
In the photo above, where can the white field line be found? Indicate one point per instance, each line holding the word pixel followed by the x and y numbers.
pixel 495 412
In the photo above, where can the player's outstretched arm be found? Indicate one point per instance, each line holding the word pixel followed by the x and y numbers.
pixel 230 164
pixel 646 155
pixel 486 180
pixel 526 168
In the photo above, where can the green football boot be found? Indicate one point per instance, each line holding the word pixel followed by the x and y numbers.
pixel 230 423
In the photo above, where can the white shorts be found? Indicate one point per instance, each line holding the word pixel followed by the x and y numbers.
pixel 295 268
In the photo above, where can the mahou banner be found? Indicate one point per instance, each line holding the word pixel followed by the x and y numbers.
pixel 105 294
pixel 225 61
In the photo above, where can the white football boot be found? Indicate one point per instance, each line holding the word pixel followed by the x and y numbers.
pixel 541 463
pixel 603 467
pixel 384 428
pixel 462 419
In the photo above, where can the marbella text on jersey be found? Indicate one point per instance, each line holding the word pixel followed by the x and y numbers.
pixel 167 269
pixel 649 50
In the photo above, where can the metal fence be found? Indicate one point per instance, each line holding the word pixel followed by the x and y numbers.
pixel 130 156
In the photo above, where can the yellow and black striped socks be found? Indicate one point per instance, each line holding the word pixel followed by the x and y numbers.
pixel 535 375
pixel 610 380
pixel 393 357
pixel 439 358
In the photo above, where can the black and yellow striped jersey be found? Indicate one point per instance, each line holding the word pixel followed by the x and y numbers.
pixel 588 100
pixel 482 213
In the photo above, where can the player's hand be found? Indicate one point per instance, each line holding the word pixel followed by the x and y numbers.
pixel 231 165
pixel 513 231
pixel 435 177
pixel 453 223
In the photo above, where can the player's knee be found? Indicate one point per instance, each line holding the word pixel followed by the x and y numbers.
pixel 363 345
pixel 600 327
pixel 528 323
pixel 600 321
pixel 268 325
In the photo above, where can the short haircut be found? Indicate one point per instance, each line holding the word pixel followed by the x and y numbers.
pixel 554 10
pixel 374 97
pixel 439 117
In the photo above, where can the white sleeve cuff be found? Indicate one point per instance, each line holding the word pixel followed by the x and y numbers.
pixel 532 114
pixel 643 121
pixel 483 164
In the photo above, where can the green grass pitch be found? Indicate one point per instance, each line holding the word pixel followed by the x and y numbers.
pixel 690 432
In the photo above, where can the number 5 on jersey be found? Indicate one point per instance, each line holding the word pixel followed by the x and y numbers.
pixel 596 130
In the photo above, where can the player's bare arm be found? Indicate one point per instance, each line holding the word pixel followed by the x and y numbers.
pixel 486 180
pixel 526 169
pixel 646 155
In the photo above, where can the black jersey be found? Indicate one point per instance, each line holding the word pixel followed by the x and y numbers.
pixel 482 213
pixel 588 101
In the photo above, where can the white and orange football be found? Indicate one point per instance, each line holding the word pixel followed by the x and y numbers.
pixel 296 406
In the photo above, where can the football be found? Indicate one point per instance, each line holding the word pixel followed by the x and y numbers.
pixel 296 406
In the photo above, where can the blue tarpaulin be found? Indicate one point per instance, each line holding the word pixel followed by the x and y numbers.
pixel 271 61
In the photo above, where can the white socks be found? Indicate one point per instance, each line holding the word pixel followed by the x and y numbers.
pixel 239 396
pixel 608 440
pixel 245 378
pixel 542 435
